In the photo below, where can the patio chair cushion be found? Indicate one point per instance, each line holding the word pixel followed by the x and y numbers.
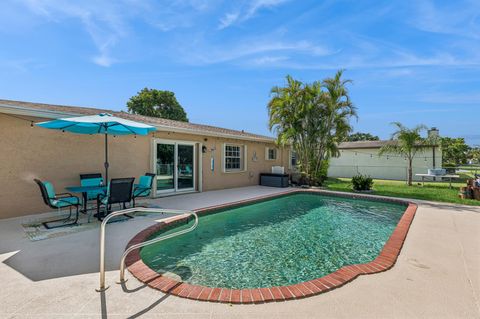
pixel 65 201
pixel 92 182
pixel 50 190
pixel 144 186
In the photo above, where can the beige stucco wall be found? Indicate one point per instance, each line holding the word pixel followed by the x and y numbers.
pixel 217 179
pixel 367 161
pixel 33 152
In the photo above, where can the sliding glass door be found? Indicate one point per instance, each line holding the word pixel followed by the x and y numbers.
pixel 175 166
pixel 165 167
pixel 185 166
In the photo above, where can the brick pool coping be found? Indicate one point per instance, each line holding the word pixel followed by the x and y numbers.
pixel 384 261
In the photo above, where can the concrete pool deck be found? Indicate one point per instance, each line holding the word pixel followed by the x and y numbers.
pixel 437 274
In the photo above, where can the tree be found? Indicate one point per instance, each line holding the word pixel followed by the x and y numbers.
pixel 474 155
pixel 157 103
pixel 454 150
pixel 313 118
pixel 355 137
pixel 407 142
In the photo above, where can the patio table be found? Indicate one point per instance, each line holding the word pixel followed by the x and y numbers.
pixel 84 191
pixel 449 176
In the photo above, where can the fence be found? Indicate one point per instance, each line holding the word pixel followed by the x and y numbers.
pixel 376 171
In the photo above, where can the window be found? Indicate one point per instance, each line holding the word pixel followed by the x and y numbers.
pixel 270 154
pixel 233 157
pixel 293 159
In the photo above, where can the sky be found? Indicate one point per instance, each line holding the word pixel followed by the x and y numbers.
pixel 412 61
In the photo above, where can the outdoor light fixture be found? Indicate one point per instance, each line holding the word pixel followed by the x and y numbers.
pixel 204 149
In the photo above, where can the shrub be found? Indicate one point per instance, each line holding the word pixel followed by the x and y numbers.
pixel 315 179
pixel 362 182
pixel 321 176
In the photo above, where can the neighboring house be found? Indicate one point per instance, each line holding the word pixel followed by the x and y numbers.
pixel 363 158
pixel 186 157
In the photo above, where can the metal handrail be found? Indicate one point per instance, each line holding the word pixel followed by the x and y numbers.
pixel 152 241
pixel 133 247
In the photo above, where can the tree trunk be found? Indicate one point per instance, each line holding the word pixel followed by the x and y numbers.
pixel 410 172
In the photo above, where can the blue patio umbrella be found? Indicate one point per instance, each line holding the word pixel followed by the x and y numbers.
pixel 103 123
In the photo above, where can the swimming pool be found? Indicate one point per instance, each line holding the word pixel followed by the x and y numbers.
pixel 278 242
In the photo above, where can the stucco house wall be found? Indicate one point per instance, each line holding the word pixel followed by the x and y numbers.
pixel 28 152
pixel 367 161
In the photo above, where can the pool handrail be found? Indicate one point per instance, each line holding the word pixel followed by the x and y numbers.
pixel 136 246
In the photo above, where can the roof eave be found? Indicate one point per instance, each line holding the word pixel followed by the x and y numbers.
pixel 48 114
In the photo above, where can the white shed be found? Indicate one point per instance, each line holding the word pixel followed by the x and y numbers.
pixel 363 158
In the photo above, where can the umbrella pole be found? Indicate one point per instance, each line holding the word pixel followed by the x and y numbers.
pixel 106 158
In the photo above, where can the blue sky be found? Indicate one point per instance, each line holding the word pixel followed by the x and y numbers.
pixel 410 61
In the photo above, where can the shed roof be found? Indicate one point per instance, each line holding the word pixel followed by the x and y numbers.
pixel 366 144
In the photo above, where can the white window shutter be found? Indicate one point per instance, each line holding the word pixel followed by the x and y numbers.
pixel 289 158
pixel 245 157
pixel 223 156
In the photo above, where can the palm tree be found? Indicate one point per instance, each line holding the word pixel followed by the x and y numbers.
pixel 286 118
pixel 407 142
pixel 339 111
pixel 313 118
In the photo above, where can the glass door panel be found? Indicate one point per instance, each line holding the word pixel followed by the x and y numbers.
pixel 185 166
pixel 165 167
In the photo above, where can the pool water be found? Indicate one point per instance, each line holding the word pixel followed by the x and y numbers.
pixel 278 242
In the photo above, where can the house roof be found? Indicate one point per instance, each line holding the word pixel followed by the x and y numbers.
pixel 57 111
pixel 365 144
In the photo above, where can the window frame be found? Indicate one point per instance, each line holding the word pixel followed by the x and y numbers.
pixel 267 153
pixel 242 155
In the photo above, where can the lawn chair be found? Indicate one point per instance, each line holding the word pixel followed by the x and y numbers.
pixel 119 191
pixel 144 187
pixel 58 201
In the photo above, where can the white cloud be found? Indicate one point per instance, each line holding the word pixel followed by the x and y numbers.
pixel 256 5
pixel 103 22
pixel 248 10
pixel 104 59
pixel 228 20
pixel 269 60
pixel 452 18
pixel 197 52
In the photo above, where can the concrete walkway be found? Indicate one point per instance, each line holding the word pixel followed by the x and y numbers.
pixel 437 274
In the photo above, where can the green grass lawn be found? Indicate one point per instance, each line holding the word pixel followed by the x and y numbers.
pixel 439 192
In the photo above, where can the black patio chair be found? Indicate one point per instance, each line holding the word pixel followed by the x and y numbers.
pixel 119 192
pixel 144 186
pixel 58 201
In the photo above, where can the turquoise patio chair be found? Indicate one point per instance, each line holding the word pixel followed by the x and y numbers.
pixel 94 179
pixel 58 201
pixel 144 187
